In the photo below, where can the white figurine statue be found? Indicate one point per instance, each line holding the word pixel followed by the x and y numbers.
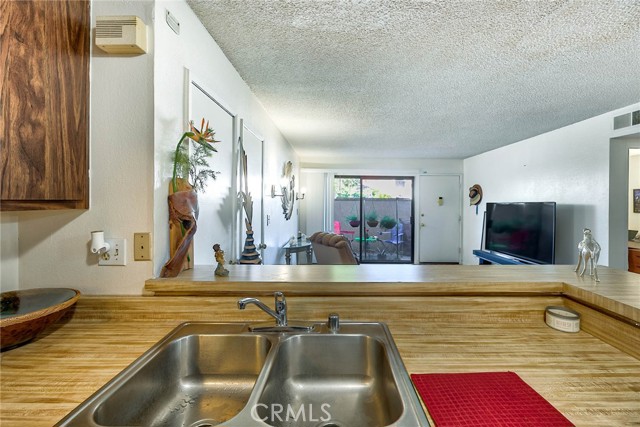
pixel 588 252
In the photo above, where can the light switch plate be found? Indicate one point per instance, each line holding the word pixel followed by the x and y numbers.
pixel 142 246
pixel 117 254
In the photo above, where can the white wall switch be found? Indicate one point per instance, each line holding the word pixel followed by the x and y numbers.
pixel 117 254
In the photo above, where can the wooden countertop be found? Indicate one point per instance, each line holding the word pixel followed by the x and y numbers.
pixel 443 319
pixel 589 381
pixel 618 291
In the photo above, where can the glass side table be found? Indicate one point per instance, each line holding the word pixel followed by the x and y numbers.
pixel 299 245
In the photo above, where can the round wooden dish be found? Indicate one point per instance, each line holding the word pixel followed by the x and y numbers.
pixel 26 313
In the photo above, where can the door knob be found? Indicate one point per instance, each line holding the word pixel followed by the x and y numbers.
pixel 262 246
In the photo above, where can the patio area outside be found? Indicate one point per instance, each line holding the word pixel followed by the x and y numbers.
pixel 375 214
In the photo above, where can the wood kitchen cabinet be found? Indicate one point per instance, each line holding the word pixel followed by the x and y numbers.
pixel 634 260
pixel 44 116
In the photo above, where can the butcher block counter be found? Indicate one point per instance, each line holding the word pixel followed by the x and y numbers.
pixel 592 376
pixel 618 291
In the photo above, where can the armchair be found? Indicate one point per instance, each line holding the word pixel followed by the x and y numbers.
pixel 331 248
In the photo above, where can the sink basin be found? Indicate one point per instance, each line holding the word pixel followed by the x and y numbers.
pixel 340 380
pixel 210 374
pixel 193 378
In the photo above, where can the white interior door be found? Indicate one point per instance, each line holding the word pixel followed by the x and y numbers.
pixel 216 202
pixel 439 224
pixel 253 146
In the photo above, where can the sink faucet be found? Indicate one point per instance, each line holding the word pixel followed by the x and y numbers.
pixel 280 314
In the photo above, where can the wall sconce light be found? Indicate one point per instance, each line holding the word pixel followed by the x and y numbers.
pixel 299 196
pixel 273 192
pixel 288 196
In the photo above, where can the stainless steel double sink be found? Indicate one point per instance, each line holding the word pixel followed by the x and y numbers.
pixel 210 374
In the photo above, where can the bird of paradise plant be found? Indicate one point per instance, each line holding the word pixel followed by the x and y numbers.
pixel 193 167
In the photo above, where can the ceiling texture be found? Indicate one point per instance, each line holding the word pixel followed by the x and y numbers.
pixel 428 79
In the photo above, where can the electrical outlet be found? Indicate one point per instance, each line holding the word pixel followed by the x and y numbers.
pixel 142 246
pixel 117 254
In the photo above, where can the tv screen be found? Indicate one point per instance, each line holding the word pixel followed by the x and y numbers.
pixel 524 230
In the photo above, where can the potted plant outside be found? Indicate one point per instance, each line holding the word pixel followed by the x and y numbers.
pixel 372 219
pixel 387 222
pixel 353 220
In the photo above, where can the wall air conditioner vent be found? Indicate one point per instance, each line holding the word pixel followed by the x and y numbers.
pixel 626 120
pixel 121 34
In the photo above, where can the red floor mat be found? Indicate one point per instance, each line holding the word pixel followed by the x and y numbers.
pixel 491 399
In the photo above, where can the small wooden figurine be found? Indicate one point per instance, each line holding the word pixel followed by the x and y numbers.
pixel 220 270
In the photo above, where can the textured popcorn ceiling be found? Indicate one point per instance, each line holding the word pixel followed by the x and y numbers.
pixel 429 79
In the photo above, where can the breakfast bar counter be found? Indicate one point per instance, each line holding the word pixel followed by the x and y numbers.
pixel 618 291
pixel 591 376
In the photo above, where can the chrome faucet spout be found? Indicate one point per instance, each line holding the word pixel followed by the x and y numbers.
pixel 242 304
pixel 280 313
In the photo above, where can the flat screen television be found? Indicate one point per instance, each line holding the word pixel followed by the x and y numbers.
pixel 524 230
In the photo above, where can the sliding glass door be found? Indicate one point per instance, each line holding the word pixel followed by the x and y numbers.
pixel 376 215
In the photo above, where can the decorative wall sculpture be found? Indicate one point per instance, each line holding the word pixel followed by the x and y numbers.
pixel 288 193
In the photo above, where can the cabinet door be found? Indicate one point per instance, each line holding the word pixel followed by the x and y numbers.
pixel 44 89
pixel 634 260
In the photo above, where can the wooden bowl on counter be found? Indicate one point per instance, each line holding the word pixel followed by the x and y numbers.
pixel 26 313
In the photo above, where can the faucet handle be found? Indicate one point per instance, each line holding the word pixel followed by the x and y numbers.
pixel 333 323
pixel 280 302
pixel 281 309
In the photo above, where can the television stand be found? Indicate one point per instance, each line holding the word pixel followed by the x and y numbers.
pixel 490 257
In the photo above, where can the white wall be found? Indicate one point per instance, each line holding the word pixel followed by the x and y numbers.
pixel 194 49
pixel 312 207
pixel 634 182
pixel 384 166
pixel 53 245
pixel 569 166
pixel 9 251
